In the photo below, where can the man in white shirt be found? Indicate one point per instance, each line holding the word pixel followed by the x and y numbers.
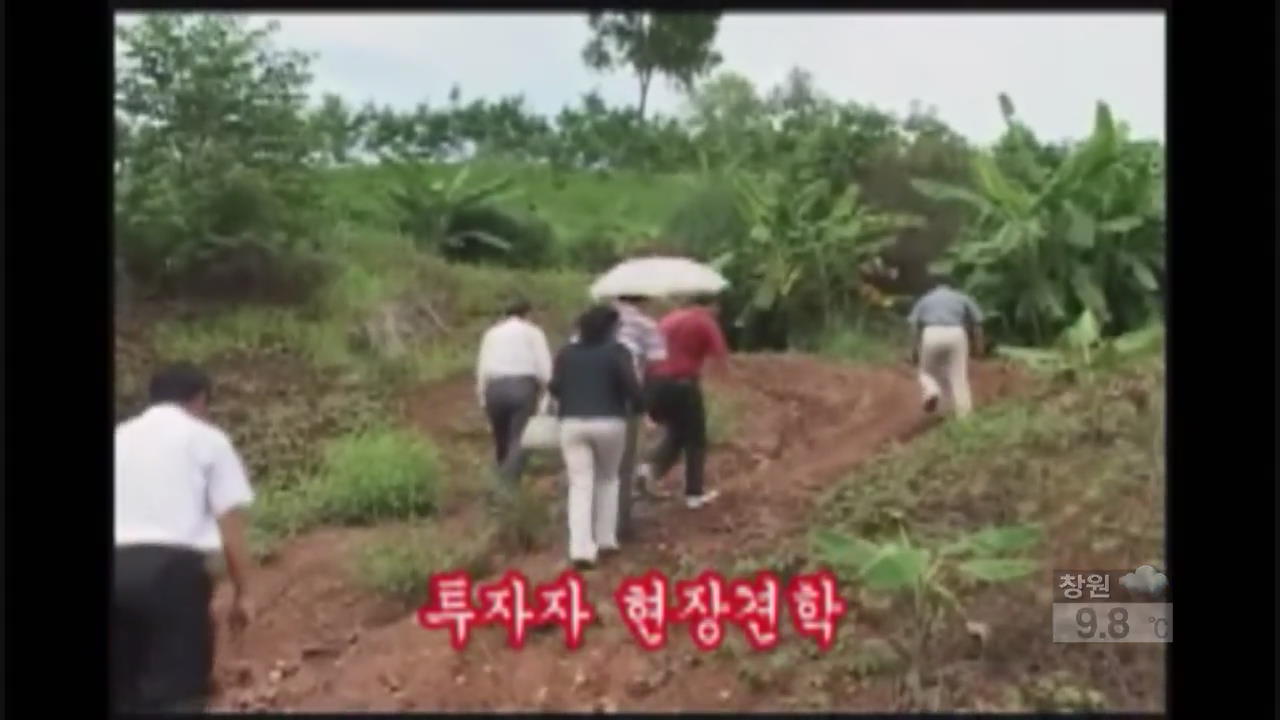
pixel 180 490
pixel 512 371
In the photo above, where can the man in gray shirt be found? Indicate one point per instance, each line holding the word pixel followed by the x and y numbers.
pixel 946 324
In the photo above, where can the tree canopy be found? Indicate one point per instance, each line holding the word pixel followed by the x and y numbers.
pixel 675 45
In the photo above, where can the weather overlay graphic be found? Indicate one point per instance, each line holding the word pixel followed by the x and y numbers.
pixel 1112 606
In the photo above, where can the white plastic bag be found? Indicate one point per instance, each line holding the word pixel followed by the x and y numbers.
pixel 542 432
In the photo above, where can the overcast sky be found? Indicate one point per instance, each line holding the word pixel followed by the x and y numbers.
pixel 1053 66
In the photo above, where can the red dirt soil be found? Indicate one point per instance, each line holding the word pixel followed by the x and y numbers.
pixel 322 643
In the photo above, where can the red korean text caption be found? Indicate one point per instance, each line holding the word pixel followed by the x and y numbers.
pixel 708 604
pixel 509 602
pixel 648 605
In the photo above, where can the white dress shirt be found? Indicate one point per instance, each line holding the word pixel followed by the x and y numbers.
pixel 174 476
pixel 514 347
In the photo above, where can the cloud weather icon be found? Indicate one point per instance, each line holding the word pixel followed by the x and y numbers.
pixel 1145 581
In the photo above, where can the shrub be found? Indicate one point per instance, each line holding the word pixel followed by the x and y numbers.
pixel 529 239
pixel 596 250
pixel 709 219
pixel 364 478
pixel 377 475
pixel 228 236
pixel 213 198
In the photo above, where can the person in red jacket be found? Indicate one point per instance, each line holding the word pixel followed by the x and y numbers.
pixel 693 337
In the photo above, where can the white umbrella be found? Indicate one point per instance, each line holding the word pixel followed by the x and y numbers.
pixel 658 277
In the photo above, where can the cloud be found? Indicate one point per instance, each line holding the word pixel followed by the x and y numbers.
pixel 1145 581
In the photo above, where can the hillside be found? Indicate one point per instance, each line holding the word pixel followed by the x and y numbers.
pixel 338 307
pixel 307 391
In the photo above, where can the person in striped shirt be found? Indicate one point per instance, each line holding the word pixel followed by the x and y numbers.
pixel 638 333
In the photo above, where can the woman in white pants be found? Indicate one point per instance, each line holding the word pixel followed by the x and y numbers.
pixel 596 389
pixel 947 325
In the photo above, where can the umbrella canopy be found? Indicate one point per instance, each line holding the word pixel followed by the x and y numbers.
pixel 661 277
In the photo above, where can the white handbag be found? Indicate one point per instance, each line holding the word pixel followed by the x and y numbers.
pixel 542 432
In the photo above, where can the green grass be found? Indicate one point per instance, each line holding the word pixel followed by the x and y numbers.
pixel 378 475
pixel 476 294
pixel 522 519
pixel 249 329
pixel 399 566
pixel 1011 462
pixel 1079 459
pixel 465 299
pixel 872 342
pixel 576 204
pixel 370 269
pixel 365 478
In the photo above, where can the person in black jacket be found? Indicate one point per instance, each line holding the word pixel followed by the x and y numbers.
pixel 596 389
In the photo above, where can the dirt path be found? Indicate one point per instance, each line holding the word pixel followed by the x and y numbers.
pixel 322 644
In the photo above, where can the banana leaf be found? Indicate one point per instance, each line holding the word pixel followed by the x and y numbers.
pixel 844 550
pixel 997 569
pixel 484 238
pixel 999 189
pixel 1082 228
pixel 1089 293
pixel 1035 358
pixel 1144 339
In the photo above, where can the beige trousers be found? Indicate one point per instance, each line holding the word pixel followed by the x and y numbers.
pixel 944 367
pixel 592 450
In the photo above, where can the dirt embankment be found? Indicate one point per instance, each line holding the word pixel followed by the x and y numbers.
pixel 320 643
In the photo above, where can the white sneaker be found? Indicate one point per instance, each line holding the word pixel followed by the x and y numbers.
pixel 693 502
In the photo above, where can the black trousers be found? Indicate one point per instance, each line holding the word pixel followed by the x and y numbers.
pixel 677 405
pixel 510 402
pixel 161 633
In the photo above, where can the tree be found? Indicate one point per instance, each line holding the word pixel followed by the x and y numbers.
pixel 796 94
pixel 213 178
pixel 928 149
pixel 727 98
pixel 724 114
pixel 338 127
pixel 677 45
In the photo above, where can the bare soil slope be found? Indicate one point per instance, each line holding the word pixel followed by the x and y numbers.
pixel 321 643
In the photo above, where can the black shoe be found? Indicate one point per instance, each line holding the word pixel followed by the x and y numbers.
pixel 584 565
pixel 931 404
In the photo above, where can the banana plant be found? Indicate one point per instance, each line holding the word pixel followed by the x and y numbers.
pixel 805 245
pixel 929 575
pixel 429 207
pixel 1046 245
pixel 1082 349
